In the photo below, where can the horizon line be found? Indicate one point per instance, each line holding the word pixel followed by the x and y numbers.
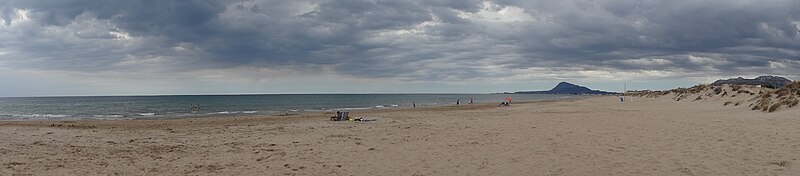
pixel 234 94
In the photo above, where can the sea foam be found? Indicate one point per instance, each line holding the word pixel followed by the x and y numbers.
pixel 41 115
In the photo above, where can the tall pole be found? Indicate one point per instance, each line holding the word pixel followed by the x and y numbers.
pixel 625 86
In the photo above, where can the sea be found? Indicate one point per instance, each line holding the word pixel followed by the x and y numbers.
pixel 187 106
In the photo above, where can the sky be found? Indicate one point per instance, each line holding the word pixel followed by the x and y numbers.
pixel 156 47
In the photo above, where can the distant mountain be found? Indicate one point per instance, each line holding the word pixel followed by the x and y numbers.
pixel 567 88
pixel 766 81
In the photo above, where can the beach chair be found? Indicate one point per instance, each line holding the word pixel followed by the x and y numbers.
pixel 340 116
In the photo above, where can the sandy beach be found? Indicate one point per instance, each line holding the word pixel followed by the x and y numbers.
pixel 588 136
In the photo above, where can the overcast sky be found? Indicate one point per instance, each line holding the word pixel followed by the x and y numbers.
pixel 123 47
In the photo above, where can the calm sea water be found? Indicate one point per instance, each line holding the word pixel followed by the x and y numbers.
pixel 136 107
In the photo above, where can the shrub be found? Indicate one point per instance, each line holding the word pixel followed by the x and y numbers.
pixel 791 102
pixel 766 95
pixel 774 107
pixel 781 92
pixel 727 103
pixel 736 87
pixel 788 89
pixel 795 85
pixel 764 104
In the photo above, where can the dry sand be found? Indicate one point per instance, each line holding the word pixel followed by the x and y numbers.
pixel 591 136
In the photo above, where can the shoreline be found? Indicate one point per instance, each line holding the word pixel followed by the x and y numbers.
pixel 109 108
pixel 292 114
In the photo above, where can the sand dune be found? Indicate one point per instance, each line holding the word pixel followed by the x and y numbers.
pixel 591 136
pixel 755 98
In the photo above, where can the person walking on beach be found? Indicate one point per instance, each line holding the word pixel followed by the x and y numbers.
pixel 458 101
pixel 414 104
pixel 470 101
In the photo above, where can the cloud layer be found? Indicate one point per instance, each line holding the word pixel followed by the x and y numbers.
pixel 399 40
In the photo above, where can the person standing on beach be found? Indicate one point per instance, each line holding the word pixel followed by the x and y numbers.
pixel 470 101
pixel 414 104
pixel 458 101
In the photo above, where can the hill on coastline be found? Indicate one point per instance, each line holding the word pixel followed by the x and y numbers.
pixel 766 81
pixel 568 88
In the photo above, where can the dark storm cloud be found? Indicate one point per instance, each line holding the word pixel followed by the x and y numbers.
pixel 410 40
